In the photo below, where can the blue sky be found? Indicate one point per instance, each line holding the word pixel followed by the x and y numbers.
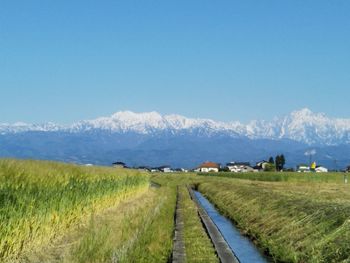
pixel 228 60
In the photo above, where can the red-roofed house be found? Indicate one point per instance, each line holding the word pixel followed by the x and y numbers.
pixel 208 167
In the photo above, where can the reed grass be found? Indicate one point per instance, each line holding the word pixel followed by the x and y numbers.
pixel 293 222
pixel 336 177
pixel 40 201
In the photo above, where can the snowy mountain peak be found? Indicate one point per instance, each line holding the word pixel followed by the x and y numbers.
pixel 302 126
pixel 129 116
pixel 147 122
pixel 306 114
pixel 302 112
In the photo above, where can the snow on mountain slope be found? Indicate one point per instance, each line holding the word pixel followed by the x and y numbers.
pixel 302 126
pixel 17 127
pixel 149 122
pixel 311 128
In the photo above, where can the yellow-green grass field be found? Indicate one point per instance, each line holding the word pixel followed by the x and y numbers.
pixel 296 219
pixel 198 246
pixel 293 221
pixel 56 212
pixel 40 201
pixel 311 177
pixel 139 229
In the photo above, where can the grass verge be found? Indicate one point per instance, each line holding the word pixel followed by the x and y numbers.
pixel 294 222
pixel 283 176
pixel 198 245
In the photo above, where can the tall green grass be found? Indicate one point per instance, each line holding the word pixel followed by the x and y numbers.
pixel 41 200
pixel 138 229
pixel 294 222
pixel 283 176
pixel 198 245
pixel 154 242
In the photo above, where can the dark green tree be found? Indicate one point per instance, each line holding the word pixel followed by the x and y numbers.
pixel 277 162
pixel 270 167
pixel 271 160
pixel 280 161
pixel 283 161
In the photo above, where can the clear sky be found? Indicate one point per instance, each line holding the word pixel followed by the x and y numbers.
pixel 63 61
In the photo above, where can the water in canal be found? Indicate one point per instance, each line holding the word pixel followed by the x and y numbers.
pixel 243 247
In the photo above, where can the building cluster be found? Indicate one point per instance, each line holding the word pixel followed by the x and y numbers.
pixel 162 169
pixel 304 168
pixel 235 167
pixel 203 168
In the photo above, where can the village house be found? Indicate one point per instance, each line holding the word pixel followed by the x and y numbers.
pixel 239 167
pixel 321 169
pixel 143 168
pixel 180 170
pixel 165 169
pixel 261 166
pixel 208 167
pixel 303 168
pixel 154 170
pixel 119 165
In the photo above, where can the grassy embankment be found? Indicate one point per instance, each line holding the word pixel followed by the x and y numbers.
pixel 40 201
pixel 138 230
pixel 294 220
pixel 283 177
pixel 198 247
pixel 297 219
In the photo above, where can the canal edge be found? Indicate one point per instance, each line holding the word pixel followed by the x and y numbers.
pixel 225 253
pixel 179 255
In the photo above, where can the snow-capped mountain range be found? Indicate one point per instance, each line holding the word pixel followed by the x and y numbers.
pixel 302 126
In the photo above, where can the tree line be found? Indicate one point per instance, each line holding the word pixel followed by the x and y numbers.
pixel 277 163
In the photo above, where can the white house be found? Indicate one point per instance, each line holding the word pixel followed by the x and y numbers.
pixel 321 169
pixel 239 167
pixel 208 167
pixel 165 169
pixel 303 168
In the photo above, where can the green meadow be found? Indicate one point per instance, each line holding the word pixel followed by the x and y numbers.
pixel 290 221
pixel 56 212
pixel 40 201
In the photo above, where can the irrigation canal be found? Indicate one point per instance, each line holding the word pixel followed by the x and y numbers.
pixel 242 247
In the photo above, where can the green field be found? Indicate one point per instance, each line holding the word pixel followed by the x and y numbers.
pixel 55 212
pixel 284 176
pixel 293 222
pixel 40 201
pixel 292 217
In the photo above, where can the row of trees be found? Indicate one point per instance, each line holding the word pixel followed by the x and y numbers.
pixel 276 164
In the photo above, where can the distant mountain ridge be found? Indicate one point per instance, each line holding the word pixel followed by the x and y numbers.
pixel 302 126
pixel 152 139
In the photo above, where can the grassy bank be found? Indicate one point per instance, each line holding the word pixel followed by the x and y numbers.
pixel 155 243
pixel 294 222
pixel 198 246
pixel 138 229
pixel 283 176
pixel 40 201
